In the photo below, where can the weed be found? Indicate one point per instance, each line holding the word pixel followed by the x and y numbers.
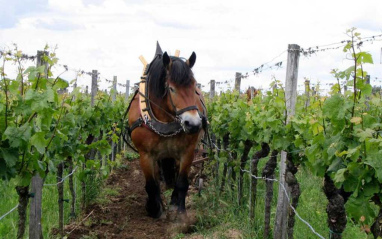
pixel 130 155
pixel 219 213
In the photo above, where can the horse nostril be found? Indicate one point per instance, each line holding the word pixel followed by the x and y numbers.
pixel 191 124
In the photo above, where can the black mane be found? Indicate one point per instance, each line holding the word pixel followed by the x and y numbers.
pixel 180 72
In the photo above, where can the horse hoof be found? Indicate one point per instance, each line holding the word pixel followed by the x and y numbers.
pixel 154 210
pixel 163 216
pixel 171 213
pixel 182 217
pixel 172 208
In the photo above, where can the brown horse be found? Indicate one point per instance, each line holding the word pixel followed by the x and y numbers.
pixel 251 92
pixel 167 140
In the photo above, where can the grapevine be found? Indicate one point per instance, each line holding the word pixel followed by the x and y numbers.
pixel 43 126
pixel 337 137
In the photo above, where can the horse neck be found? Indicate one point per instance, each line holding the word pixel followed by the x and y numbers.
pixel 160 108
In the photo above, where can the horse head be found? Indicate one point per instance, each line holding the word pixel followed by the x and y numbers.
pixel 180 92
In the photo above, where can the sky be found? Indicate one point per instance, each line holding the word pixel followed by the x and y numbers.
pixel 227 36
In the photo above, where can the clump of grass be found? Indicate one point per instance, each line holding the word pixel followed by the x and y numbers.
pixel 219 212
pixel 104 195
pixel 130 155
pixel 9 199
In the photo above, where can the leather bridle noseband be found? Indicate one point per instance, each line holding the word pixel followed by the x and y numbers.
pixel 179 112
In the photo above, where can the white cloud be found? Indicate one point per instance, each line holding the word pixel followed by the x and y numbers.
pixel 227 36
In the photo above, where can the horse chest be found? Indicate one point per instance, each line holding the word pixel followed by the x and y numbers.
pixel 170 148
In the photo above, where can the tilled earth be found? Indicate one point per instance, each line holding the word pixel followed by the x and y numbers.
pixel 124 215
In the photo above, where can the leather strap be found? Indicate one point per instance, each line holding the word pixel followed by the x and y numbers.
pixel 193 107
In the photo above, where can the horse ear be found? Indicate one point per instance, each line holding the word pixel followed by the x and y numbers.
pixel 191 61
pixel 166 60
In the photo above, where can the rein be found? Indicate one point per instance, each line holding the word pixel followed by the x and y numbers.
pixel 175 118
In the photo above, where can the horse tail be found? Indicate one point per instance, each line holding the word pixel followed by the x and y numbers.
pixel 168 171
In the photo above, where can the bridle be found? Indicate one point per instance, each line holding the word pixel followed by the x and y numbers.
pixel 179 112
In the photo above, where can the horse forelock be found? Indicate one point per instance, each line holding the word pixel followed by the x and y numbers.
pixel 180 74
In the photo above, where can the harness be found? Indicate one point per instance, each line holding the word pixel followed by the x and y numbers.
pixel 147 118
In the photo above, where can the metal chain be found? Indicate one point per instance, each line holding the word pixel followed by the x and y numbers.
pixel 148 123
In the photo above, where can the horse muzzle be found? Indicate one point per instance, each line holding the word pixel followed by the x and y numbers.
pixel 191 123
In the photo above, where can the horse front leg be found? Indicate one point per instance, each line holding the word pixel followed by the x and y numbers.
pixel 154 205
pixel 182 184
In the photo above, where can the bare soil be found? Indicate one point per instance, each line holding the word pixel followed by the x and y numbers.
pixel 124 215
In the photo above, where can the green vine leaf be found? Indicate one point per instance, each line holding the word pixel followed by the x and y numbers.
pixel 39 142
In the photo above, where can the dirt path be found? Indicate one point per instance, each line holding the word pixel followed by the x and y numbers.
pixel 123 215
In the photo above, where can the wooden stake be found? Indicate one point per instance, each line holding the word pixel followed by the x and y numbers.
pixel 212 89
pixel 127 90
pixel 35 213
pixel 60 189
pixel 237 81
pixel 307 93
pixel 280 231
pixel 113 144
pixel 94 86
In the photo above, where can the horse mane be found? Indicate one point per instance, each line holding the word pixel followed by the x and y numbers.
pixel 181 75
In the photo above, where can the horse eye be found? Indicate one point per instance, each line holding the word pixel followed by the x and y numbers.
pixel 172 90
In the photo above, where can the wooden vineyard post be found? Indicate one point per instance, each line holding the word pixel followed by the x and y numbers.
pixel 237 81
pixel 114 94
pixel 90 138
pixel 113 98
pixel 280 231
pixel 307 93
pixel 252 92
pixel 35 213
pixel 94 86
pixel 127 89
pixel 212 89
pixel 127 94
pixel 72 190
pixel 367 98
pixel 35 230
pixel 60 189
pixel 212 95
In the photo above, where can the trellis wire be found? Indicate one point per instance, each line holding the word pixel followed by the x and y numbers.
pixel 54 184
pixel 9 212
pixel 283 187
pixel 310 51
pixel 294 151
pixel 63 179
pixel 287 196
